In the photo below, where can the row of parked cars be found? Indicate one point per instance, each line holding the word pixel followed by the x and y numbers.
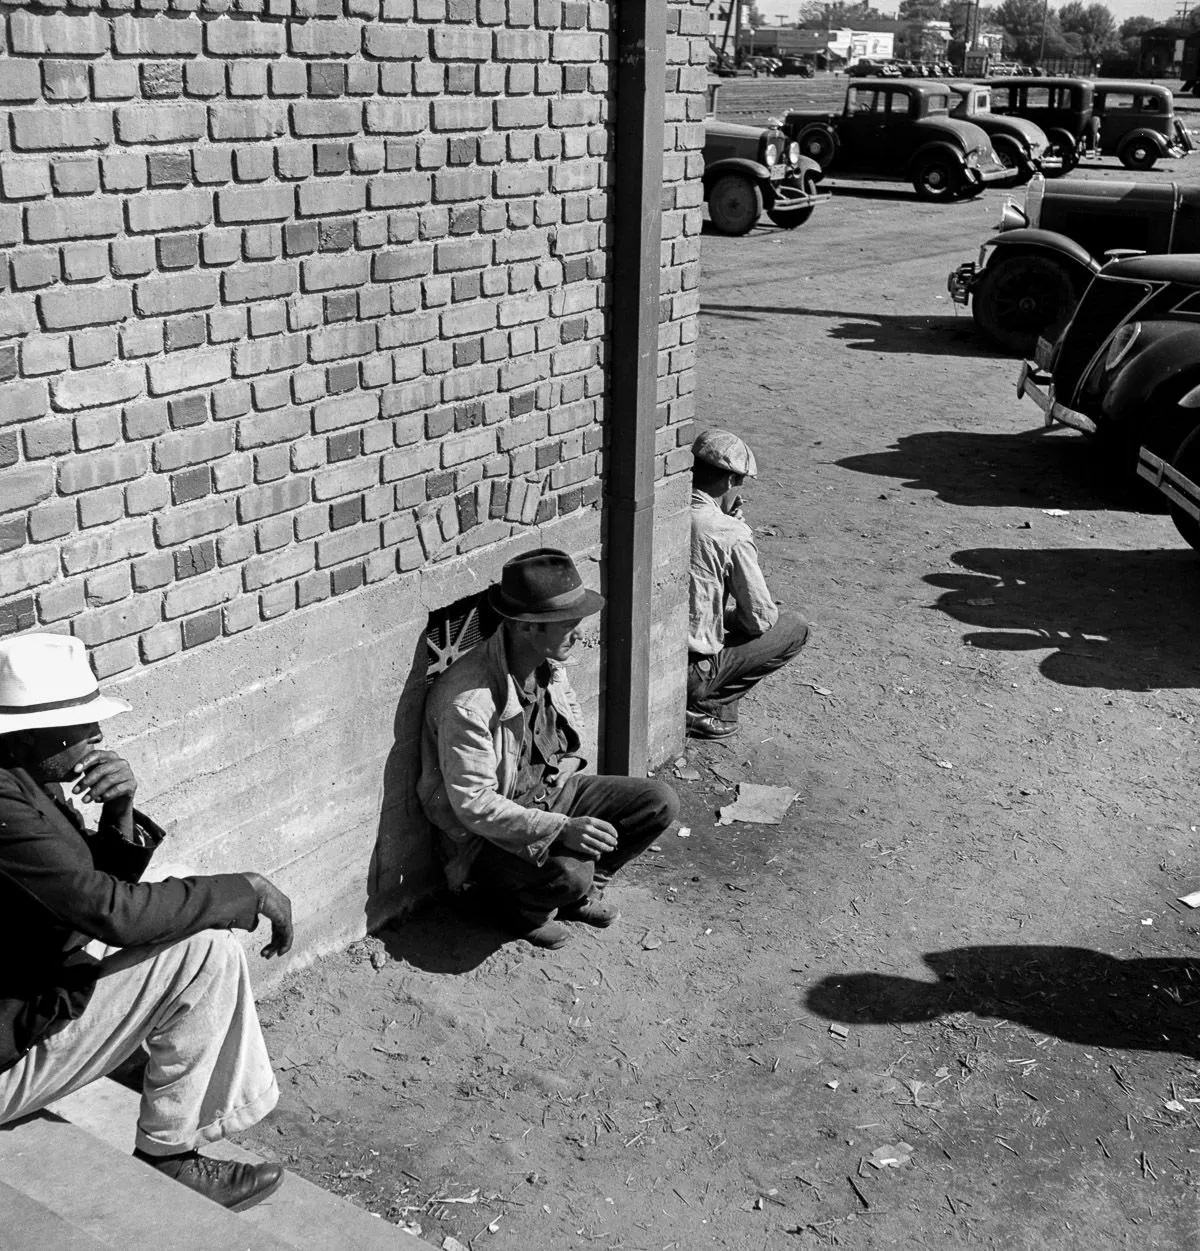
pixel 949 139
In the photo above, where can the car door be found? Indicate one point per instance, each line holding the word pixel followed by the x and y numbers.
pixel 1118 115
pixel 857 131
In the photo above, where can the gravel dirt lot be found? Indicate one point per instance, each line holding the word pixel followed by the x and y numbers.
pixel 961 945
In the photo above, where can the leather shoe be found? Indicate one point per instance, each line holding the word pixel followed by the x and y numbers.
pixel 592 911
pixel 230 1183
pixel 704 725
pixel 550 934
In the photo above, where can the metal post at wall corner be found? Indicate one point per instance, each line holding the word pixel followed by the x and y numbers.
pixel 633 383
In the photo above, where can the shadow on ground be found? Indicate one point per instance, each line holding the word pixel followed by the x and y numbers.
pixel 442 937
pixel 1072 993
pixel 981 469
pixel 1120 620
pixel 905 333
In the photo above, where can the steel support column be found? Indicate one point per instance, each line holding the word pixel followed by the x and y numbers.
pixel 633 382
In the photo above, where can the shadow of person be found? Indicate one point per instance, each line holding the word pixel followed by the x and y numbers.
pixel 1072 993
pixel 1029 469
pixel 445 936
pixel 1123 620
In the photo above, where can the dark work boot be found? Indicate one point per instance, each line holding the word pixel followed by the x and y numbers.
pixel 230 1183
pixel 704 725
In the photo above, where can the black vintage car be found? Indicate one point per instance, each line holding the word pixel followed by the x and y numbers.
pixel 1019 143
pixel 749 170
pixel 1062 107
pixel 900 128
pixel 1031 273
pixel 1126 369
pixel 1138 124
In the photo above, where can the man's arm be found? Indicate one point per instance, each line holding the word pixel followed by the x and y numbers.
pixel 754 611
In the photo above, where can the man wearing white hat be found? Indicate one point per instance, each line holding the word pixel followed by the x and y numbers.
pixel 178 985
pixel 736 632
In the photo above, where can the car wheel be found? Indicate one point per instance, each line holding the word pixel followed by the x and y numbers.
pixel 937 178
pixel 819 146
pixel 1062 144
pixel 797 217
pixel 1021 297
pixel 734 204
pixel 1138 154
pixel 1187 461
pixel 1010 155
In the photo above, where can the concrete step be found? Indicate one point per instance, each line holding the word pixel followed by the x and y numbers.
pixel 300 1214
pixel 27 1223
pixel 108 1196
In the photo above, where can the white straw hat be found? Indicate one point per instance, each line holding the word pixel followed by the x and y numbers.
pixel 46 681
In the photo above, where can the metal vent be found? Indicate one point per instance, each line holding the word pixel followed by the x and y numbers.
pixel 453 631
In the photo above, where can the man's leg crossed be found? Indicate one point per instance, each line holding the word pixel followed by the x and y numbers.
pixel 743 663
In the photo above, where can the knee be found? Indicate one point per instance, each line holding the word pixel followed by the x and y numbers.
pixel 571 876
pixel 215 953
pixel 663 803
pixel 794 627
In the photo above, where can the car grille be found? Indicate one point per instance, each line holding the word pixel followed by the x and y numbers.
pixel 1105 304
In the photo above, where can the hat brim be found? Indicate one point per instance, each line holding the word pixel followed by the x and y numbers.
pixel 99 709
pixel 588 603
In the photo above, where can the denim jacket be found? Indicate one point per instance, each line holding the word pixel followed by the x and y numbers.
pixel 470 754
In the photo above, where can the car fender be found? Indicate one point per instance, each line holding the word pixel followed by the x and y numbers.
pixel 937 148
pixel 1046 242
pixel 1158 140
pixel 736 165
pixel 1164 365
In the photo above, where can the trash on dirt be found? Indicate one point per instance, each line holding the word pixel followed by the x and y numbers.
pixel 450 1243
pixel 409 1227
pixel 684 771
pixel 684 831
pixel 1147 920
pixel 650 944
pixel 1173 1105
pixel 984 601
pixel 839 1031
pixel 378 960
pixel 1056 512
pixel 758 805
pixel 889 1156
pixel 494 1227
pixel 833 1085
pixel 819 690
pixel 768 531
pixel 1192 900
pixel 944 764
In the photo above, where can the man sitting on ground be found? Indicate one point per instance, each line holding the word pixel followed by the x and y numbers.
pixel 736 633
pixel 500 765
pixel 179 983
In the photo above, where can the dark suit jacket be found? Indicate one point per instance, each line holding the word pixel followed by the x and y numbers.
pixel 61 885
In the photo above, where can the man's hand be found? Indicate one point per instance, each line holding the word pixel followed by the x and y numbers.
pixel 588 835
pixel 735 508
pixel 276 907
pixel 105 778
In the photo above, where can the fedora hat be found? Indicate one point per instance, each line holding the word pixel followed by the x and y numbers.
pixel 46 681
pixel 543 585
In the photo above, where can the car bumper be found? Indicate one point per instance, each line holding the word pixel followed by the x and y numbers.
pixel 961 282
pixel 1180 491
pixel 1177 150
pixel 1049 164
pixel 790 199
pixel 1034 382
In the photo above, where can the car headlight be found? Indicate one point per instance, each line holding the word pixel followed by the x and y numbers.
pixel 1035 193
pixel 770 154
pixel 793 153
pixel 973 157
pixel 1122 343
pixel 1011 217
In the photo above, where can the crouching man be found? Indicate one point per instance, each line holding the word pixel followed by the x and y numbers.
pixel 179 983
pixel 501 772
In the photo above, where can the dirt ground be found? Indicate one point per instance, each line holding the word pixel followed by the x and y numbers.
pixel 962 944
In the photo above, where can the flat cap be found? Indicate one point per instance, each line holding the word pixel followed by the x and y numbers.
pixel 725 450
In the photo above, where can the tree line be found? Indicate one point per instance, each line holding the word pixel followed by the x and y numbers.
pixel 1073 29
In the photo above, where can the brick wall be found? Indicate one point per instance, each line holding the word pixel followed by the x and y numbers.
pixel 303 329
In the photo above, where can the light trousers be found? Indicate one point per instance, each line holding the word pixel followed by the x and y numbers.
pixel 190 1003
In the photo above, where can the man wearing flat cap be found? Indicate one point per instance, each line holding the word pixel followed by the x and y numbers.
pixel 519 823
pixel 736 632
pixel 173 981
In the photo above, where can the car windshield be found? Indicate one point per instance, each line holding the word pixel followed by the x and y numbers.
pixel 938 103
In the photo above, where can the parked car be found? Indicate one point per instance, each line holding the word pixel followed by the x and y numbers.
pixel 793 65
pixel 1138 124
pixel 1126 369
pixel 1020 144
pixel 1031 273
pixel 900 128
pixel 1062 107
pixel 864 67
pixel 748 170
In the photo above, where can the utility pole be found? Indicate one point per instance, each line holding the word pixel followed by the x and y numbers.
pixel 1045 18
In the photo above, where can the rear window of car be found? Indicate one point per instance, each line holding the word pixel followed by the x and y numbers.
pixel 939 103
pixel 1114 101
pixel 983 101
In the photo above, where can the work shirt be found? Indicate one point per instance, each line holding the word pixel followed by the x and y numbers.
pixel 724 571
pixel 543 745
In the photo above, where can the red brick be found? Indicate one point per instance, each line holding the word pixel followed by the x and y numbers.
pixel 28 569
pixel 156 36
pixel 120 621
pixel 462 44
pixel 397 117
pixel 185 522
pixel 93 218
pixel 324 39
pixel 19 81
pixel 332 195
pixel 260 571
pixel 201 592
pixel 22 401
pixel 395 43
pixel 42 130
pixel 97 469
pixel 347 545
pixel 186 371
pixel 259 282
pixel 226 37
pixel 66 80
pixel 326 117
pixel 58 35
pixel 260 356
pixel 169 210
pixel 255 204
pixel 94 388
pixel 61 602
pixel 160 123
pixel 25 487
pixel 174 451
pixel 264 120
pixel 84 306
pixel 266 501
pixel 176 294
pixel 283 425
pixel 345 479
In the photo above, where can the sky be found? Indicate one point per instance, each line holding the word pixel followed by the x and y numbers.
pixel 1161 10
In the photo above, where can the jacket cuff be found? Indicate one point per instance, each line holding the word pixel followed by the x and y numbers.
pixel 539 851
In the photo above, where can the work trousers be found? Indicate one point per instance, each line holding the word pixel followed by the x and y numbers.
pixel 190 1003
pixel 640 809
pixel 717 683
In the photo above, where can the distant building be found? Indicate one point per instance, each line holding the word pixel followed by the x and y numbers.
pixel 1161 52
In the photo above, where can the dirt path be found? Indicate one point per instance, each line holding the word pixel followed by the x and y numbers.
pixel 976 884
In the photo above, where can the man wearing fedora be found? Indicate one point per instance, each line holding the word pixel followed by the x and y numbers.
pixel 172 980
pixel 501 776
pixel 736 632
